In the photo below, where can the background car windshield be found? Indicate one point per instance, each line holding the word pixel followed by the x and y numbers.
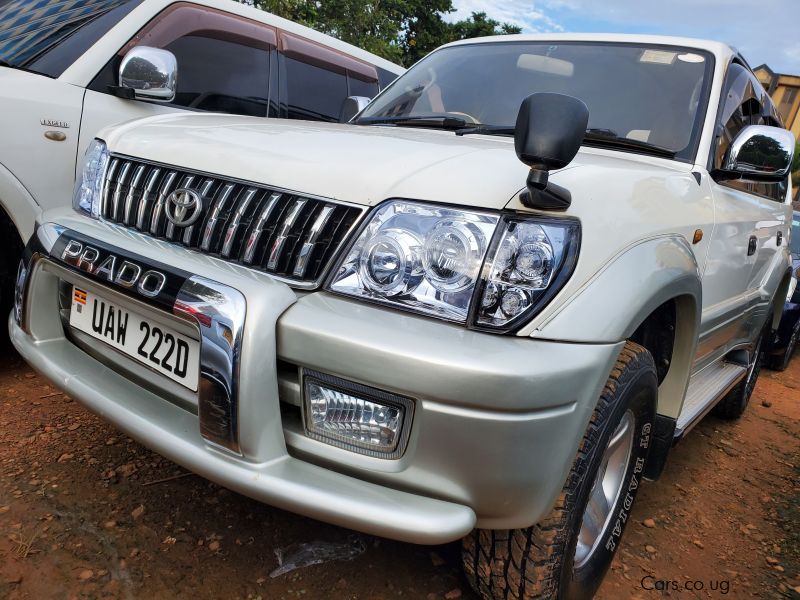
pixel 46 36
pixel 646 93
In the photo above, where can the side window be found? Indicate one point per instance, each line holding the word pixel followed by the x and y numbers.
pixel 317 79
pixel 224 61
pixel 745 103
pixel 221 76
pixel 314 93
pixel 360 87
pixel 385 77
pixel 740 107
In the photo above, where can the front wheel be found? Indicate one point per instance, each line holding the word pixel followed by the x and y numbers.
pixel 567 554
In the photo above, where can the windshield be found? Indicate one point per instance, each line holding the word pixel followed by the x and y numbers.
pixel 649 94
pixel 46 36
pixel 796 235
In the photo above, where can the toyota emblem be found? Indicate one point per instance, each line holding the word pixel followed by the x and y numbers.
pixel 183 207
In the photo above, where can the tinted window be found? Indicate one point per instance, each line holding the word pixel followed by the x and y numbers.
pixel 314 93
pixel 359 87
pixel 385 77
pixel 47 36
pixel 744 102
pixel 741 106
pixel 221 76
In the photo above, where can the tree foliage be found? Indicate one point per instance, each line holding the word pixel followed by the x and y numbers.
pixel 402 31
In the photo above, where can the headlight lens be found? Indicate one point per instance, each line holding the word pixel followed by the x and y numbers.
pixel 422 257
pixel 88 186
pixel 525 269
pixel 433 260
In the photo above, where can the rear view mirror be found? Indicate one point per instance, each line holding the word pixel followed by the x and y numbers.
pixel 759 153
pixel 548 135
pixel 545 64
pixel 351 106
pixel 150 73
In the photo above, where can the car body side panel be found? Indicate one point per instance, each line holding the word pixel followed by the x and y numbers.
pixel 30 106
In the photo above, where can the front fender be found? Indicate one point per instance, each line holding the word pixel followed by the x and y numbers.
pixel 619 297
pixel 615 300
pixel 18 204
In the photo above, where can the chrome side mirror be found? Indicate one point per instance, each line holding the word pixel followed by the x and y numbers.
pixel 351 106
pixel 151 74
pixel 759 153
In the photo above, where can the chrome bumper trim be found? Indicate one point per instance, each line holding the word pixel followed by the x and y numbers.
pixel 219 312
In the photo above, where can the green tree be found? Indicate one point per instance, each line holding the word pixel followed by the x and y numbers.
pixel 402 31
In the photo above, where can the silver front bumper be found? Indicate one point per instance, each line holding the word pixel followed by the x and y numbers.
pixel 497 419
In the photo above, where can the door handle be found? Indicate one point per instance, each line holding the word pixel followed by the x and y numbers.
pixel 779 238
pixel 752 245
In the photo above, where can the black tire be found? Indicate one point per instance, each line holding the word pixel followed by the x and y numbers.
pixel 10 254
pixel 539 561
pixel 780 362
pixel 735 402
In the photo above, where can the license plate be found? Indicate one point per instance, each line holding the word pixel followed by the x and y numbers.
pixel 161 348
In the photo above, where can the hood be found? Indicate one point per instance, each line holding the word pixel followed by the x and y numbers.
pixel 359 164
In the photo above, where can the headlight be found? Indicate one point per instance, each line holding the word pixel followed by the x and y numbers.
pixel 88 186
pixel 529 263
pixel 433 260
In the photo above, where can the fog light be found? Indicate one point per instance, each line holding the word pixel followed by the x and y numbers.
pixel 355 417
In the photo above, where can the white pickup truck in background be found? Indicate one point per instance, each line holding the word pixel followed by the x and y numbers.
pixel 60 83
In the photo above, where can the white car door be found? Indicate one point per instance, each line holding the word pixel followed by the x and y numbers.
pixel 739 231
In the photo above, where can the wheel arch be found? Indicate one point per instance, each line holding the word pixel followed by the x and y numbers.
pixel 17 204
pixel 781 293
pixel 633 292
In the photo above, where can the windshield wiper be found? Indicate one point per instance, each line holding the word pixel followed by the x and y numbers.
pixel 487 130
pixel 605 138
pixel 440 121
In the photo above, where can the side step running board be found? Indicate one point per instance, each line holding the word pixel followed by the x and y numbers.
pixel 705 389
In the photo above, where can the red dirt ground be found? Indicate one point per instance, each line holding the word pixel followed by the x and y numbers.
pixel 84 513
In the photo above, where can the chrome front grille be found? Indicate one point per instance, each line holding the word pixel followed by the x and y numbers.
pixel 289 235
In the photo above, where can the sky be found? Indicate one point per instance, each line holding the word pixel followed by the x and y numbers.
pixel 764 31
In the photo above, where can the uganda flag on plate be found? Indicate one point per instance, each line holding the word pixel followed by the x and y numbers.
pixel 79 296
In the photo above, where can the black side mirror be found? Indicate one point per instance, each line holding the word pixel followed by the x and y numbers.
pixel 548 134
